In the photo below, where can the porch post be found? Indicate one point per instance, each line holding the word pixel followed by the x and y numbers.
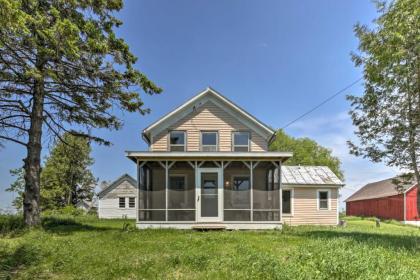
pixel 138 189
pixel 166 189
pixel 280 191
pixel 251 176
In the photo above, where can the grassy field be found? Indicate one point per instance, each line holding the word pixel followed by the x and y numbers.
pixel 87 248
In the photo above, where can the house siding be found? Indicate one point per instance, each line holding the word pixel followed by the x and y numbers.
pixel 208 117
pixel 305 207
pixel 109 203
pixel 411 205
pixel 391 207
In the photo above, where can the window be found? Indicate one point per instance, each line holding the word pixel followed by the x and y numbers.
pixel 241 141
pixel 177 182
pixel 209 141
pixel 131 202
pixel 177 141
pixel 323 200
pixel 287 202
pixel 241 183
pixel 121 202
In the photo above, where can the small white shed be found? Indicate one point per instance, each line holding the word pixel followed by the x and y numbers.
pixel 118 200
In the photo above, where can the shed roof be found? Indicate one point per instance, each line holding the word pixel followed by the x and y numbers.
pixel 309 175
pixel 383 188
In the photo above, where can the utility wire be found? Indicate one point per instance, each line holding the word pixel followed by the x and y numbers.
pixel 323 102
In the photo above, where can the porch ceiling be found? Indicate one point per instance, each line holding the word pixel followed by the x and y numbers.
pixel 272 156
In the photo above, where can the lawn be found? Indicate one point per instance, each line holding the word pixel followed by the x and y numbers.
pixel 88 248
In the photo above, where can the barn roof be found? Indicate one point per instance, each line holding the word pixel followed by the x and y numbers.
pixel 379 189
pixel 309 175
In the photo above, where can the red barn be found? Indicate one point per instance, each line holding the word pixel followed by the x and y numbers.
pixel 381 199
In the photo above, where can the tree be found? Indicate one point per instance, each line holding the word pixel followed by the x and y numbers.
pixel 306 152
pixel 387 115
pixel 66 178
pixel 18 187
pixel 62 69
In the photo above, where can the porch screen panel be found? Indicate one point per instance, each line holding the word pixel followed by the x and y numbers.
pixel 152 201
pixel 266 196
pixel 237 192
pixel 181 192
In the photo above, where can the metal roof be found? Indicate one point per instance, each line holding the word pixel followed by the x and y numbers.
pixel 309 175
pixel 383 188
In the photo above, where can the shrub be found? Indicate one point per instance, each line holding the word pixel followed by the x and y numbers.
pixel 11 224
pixel 65 211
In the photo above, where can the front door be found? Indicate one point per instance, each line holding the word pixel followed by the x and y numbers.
pixel 209 195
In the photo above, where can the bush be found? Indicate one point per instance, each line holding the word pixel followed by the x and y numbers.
pixel 11 224
pixel 65 211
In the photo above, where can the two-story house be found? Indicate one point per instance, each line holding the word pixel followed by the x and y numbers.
pixel 208 164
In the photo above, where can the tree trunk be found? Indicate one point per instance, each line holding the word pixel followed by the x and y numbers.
pixel 31 209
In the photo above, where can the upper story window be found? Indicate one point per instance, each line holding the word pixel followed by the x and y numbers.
pixel 241 141
pixel 177 141
pixel 209 141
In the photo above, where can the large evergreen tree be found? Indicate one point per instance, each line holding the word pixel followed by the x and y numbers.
pixel 306 152
pixel 387 115
pixel 62 69
pixel 66 178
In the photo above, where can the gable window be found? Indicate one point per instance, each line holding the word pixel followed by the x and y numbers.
pixel 177 141
pixel 131 202
pixel 121 202
pixel 209 141
pixel 287 202
pixel 241 141
pixel 323 200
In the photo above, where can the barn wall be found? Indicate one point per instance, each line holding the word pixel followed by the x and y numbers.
pixel 391 207
pixel 411 205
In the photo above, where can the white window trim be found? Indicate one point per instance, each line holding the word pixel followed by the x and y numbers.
pixel 128 198
pixel 177 145
pixel 329 199
pixel 186 185
pixel 125 202
pixel 249 140
pixel 292 202
pixel 209 131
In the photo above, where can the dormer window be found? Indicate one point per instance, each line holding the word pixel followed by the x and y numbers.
pixel 240 141
pixel 177 141
pixel 209 141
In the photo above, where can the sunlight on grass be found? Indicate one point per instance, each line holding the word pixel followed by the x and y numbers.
pixel 88 248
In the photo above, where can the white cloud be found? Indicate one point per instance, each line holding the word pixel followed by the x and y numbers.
pixel 333 132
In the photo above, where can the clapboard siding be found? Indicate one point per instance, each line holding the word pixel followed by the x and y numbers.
pixel 109 203
pixel 306 210
pixel 208 117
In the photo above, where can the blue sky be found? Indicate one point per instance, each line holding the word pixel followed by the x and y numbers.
pixel 276 59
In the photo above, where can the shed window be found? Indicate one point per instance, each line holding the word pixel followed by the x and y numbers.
pixel 323 200
pixel 287 202
pixel 209 141
pixel 131 202
pixel 241 141
pixel 177 141
pixel 121 202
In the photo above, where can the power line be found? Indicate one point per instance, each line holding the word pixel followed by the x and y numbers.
pixel 323 102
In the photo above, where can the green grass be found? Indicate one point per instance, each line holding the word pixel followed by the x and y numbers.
pixel 88 248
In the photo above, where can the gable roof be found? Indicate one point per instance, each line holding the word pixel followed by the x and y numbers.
pixel 309 175
pixel 191 104
pixel 383 188
pixel 124 177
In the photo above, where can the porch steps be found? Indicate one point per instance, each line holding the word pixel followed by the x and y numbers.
pixel 208 226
